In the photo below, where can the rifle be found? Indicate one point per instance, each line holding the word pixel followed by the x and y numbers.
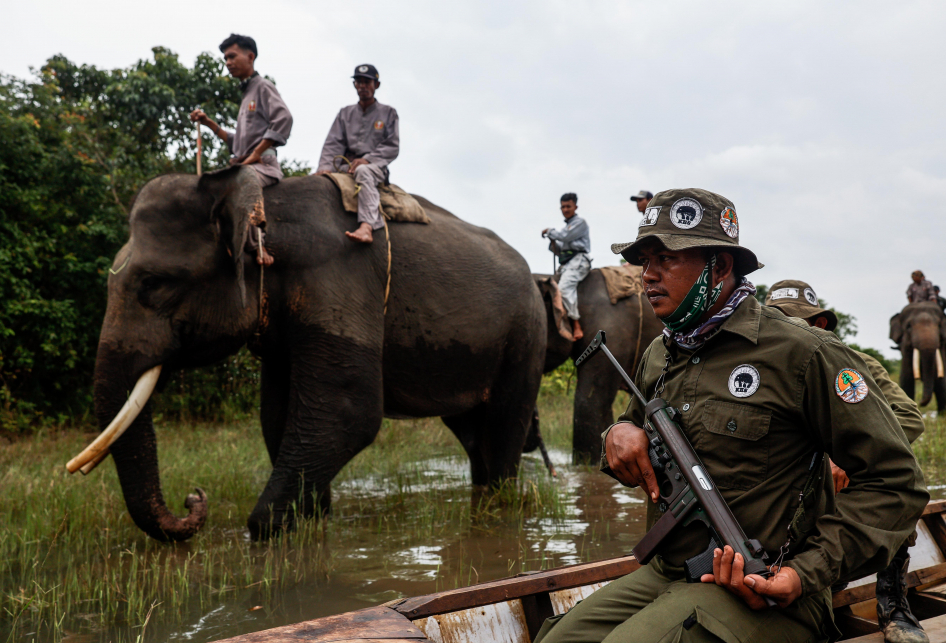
pixel 687 492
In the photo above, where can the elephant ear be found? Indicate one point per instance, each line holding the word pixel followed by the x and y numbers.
pixel 896 329
pixel 238 204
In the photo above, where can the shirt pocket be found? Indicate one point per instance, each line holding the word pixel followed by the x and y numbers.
pixel 736 443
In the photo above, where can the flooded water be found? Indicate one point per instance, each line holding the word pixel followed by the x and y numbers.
pixel 581 516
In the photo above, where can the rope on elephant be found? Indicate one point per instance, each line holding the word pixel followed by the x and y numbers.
pixel 387 287
pixel 259 260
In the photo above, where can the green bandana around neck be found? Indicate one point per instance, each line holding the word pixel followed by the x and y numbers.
pixel 700 299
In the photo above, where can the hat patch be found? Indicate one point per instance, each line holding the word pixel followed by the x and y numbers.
pixel 379 125
pixel 744 381
pixel 850 386
pixel 686 213
pixel 784 293
pixel 811 297
pixel 363 69
pixel 729 222
pixel 650 216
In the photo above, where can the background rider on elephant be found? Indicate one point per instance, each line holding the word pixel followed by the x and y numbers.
pixel 366 135
pixel 263 122
pixel 921 289
pixel 572 245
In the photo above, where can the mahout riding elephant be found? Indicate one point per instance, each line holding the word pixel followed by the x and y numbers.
pixel 630 325
pixel 919 331
pixel 459 339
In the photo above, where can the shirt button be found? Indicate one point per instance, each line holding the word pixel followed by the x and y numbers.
pixel 696 360
pixel 686 407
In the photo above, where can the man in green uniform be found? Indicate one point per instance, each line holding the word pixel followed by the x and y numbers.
pixel 798 299
pixel 760 396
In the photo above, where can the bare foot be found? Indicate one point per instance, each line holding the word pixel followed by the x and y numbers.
pixel 577 333
pixel 362 234
pixel 266 260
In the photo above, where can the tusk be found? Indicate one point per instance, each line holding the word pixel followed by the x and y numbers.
pixel 916 363
pixel 98 450
pixel 939 363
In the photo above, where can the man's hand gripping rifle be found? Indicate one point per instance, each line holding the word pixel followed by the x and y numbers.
pixel 687 492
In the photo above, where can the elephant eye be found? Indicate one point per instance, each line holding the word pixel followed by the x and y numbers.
pixel 155 291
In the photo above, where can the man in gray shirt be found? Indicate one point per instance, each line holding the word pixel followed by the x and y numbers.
pixel 366 134
pixel 572 245
pixel 263 122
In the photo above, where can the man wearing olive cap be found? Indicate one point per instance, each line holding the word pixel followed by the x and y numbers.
pixel 798 299
pixel 366 135
pixel 761 397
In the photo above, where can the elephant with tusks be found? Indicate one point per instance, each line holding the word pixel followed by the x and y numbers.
pixel 919 331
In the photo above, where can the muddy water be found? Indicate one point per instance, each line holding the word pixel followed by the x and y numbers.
pixel 586 516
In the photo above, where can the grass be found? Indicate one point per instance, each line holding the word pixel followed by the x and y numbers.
pixel 73 563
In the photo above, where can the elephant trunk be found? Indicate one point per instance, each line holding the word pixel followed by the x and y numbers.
pixel 928 373
pixel 136 456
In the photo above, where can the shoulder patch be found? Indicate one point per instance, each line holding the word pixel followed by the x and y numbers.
pixel 686 213
pixel 379 125
pixel 850 386
pixel 729 223
pixel 744 380
pixel 251 106
pixel 650 216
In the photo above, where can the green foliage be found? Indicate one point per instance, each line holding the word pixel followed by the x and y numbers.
pixel 761 292
pixel 76 144
pixel 560 380
pixel 892 366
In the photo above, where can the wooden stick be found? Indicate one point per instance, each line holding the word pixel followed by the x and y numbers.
pixel 198 149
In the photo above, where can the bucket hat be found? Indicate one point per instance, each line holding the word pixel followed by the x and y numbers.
pixel 690 218
pixel 798 299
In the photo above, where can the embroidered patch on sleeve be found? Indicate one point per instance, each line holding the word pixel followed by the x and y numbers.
pixel 784 293
pixel 650 216
pixel 379 125
pixel 744 381
pixel 729 223
pixel 251 106
pixel 686 213
pixel 850 386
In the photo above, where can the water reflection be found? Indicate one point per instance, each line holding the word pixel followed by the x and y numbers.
pixel 417 533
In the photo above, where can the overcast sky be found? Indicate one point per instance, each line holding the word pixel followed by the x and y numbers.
pixel 821 121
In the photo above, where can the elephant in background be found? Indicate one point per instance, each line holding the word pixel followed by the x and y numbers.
pixel 630 325
pixel 919 331
pixel 462 335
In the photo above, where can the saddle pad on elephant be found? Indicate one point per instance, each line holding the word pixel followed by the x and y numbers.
pixel 396 204
pixel 622 281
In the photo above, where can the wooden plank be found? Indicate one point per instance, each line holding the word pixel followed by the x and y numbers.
pixel 497 623
pixel 537 608
pixel 935 629
pixel 937 527
pixel 851 624
pixel 925 605
pixel 869 591
pixel 516 587
pixel 372 624
pixel 935 507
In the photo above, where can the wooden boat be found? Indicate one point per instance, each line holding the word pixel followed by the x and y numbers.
pixel 513 609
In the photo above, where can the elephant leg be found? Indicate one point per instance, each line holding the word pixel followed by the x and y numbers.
pixel 334 411
pixel 274 404
pixel 939 387
pixel 907 383
pixel 594 396
pixel 467 427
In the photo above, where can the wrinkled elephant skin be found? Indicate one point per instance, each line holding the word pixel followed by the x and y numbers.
pixel 921 327
pixel 630 324
pixel 463 337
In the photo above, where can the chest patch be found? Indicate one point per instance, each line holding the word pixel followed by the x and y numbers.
pixel 850 386
pixel 251 106
pixel 744 381
pixel 379 125
pixel 650 216
pixel 729 223
pixel 686 213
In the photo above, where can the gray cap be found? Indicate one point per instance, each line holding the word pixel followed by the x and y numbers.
pixel 690 218
pixel 643 195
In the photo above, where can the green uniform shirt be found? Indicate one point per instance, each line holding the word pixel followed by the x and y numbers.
pixel 756 402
